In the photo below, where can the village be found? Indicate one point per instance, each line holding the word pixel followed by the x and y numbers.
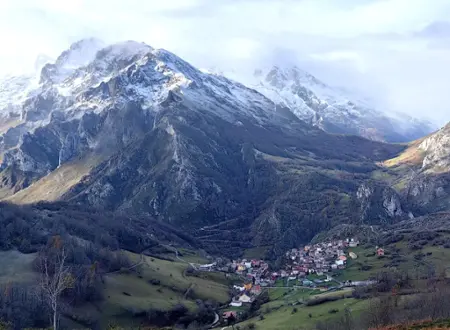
pixel 310 266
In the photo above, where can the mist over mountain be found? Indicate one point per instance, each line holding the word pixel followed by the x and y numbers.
pixel 130 128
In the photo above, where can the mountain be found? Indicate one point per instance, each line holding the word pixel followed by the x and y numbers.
pixel 133 129
pixel 336 110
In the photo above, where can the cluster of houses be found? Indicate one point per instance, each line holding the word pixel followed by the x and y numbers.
pixel 318 258
pixel 255 272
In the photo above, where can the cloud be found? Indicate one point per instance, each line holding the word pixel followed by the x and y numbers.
pixel 397 51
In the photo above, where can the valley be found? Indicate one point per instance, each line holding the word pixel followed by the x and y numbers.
pixel 170 197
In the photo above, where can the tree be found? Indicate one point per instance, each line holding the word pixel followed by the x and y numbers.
pixel 55 276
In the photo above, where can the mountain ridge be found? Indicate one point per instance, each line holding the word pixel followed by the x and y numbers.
pixel 195 150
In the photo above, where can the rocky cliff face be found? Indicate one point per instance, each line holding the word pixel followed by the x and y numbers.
pixel 437 150
pixel 199 151
pixel 424 173
pixel 380 200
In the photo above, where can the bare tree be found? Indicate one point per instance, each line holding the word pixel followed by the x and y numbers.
pixel 55 276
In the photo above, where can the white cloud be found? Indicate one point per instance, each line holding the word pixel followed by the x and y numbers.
pixel 370 44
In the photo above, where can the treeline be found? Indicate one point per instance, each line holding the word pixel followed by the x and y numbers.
pixel 28 228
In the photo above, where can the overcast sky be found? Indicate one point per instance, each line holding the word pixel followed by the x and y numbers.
pixel 396 51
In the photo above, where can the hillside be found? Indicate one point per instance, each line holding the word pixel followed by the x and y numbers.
pixel 124 268
pixel 423 173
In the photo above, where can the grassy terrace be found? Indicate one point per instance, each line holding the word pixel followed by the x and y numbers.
pixel 305 317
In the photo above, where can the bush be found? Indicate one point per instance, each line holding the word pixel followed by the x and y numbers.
pixel 333 311
pixel 322 300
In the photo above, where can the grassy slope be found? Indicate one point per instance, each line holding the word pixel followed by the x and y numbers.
pixel 129 292
pixel 437 256
pixel 57 183
pixel 284 317
pixel 16 267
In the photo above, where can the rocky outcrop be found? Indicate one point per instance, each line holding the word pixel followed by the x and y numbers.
pixel 379 202
pixel 437 150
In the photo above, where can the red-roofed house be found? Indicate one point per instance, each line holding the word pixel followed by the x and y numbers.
pixel 256 290
pixel 227 315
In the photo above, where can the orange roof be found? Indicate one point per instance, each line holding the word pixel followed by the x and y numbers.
pixel 343 258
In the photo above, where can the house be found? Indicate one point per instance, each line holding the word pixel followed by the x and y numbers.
pixel 245 299
pixel 230 314
pixel 343 258
pixel 353 243
pixel 248 265
pixel 241 268
pixel 334 266
pixel 256 290
pixel 307 283
pixel 353 255
pixel 239 288
pixel 380 252
pixel 256 263
pixel 248 286
pixel 339 262
pixel 235 303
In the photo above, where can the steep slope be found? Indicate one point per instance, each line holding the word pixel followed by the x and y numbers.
pixel 195 150
pixel 424 170
pixel 336 110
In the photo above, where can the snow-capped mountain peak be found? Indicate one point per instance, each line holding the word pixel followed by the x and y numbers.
pixel 80 54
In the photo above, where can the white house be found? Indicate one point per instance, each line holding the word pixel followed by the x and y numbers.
pixel 245 299
pixel 236 303
pixel 240 288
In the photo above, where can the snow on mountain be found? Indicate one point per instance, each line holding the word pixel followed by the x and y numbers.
pixel 13 92
pixel 78 55
pixel 87 81
pixel 334 109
